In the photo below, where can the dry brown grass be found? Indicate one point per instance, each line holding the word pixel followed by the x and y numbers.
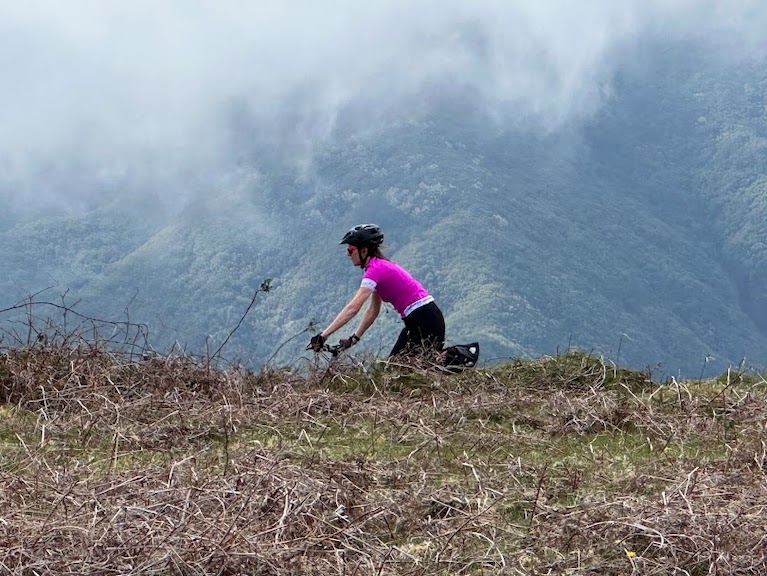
pixel 562 465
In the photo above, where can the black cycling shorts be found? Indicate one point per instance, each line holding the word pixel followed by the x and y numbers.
pixel 424 329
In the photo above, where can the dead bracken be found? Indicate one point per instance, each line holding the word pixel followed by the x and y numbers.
pixel 557 465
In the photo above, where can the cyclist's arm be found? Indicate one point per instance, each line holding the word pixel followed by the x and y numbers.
pixel 370 315
pixel 349 311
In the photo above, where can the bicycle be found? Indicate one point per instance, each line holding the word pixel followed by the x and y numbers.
pixel 453 359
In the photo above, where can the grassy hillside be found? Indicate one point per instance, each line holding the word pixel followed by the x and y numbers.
pixel 557 464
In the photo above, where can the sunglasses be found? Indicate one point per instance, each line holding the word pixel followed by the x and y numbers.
pixel 350 250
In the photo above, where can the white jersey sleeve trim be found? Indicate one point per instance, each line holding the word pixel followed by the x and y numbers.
pixel 368 283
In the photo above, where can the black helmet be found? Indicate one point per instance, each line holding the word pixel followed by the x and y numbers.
pixel 364 235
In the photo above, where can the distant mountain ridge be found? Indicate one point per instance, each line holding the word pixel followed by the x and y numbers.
pixel 639 233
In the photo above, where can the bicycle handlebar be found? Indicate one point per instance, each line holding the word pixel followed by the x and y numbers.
pixel 334 350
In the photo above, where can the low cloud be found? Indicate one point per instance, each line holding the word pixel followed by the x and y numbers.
pixel 116 86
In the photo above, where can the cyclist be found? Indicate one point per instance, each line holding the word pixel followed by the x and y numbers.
pixel 383 280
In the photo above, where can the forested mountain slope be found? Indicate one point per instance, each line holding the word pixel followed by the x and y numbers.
pixel 638 231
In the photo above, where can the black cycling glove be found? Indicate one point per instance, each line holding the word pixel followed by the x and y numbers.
pixel 349 342
pixel 316 343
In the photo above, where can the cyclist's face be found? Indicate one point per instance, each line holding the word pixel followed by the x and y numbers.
pixel 354 254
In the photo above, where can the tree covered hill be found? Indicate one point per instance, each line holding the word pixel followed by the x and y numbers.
pixel 637 232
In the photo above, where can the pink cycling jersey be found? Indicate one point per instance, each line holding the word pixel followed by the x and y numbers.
pixel 395 285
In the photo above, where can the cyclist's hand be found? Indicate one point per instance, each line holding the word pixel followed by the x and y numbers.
pixel 347 343
pixel 316 343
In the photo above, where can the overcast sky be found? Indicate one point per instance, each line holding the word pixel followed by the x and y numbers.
pixel 108 83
